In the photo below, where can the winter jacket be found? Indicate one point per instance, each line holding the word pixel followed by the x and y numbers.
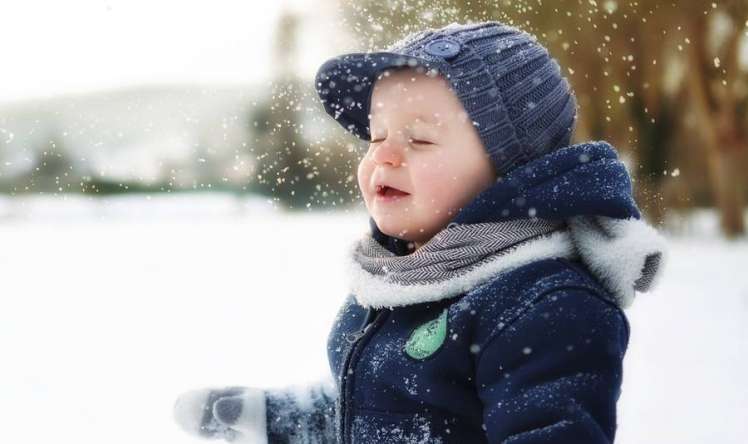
pixel 529 352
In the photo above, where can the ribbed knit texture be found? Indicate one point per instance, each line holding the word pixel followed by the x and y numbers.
pixel 510 86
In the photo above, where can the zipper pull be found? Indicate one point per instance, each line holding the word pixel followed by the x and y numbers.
pixel 353 337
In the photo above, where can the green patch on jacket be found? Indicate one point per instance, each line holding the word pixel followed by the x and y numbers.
pixel 427 338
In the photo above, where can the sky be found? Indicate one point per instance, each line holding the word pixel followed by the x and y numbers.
pixel 50 47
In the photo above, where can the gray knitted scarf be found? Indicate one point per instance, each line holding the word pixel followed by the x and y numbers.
pixel 452 252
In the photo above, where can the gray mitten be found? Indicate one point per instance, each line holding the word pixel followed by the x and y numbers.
pixel 236 414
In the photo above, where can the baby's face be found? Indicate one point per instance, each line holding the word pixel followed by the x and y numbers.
pixel 423 143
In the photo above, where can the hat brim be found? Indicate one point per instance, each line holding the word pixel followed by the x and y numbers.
pixel 345 84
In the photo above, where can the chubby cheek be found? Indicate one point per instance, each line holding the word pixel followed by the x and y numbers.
pixel 436 187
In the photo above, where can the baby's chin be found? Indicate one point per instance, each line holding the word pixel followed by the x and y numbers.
pixel 391 226
pixel 408 222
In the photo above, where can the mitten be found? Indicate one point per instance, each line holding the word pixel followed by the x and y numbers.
pixel 235 414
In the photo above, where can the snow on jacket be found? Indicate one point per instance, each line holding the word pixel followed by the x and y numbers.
pixel 529 352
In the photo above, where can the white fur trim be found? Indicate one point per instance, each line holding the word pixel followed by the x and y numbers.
pixel 615 250
pixel 373 291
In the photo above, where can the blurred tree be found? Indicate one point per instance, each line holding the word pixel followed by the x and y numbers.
pixel 51 171
pixel 279 161
pixel 718 93
pixel 288 167
pixel 628 48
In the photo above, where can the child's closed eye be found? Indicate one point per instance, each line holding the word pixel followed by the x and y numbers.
pixel 417 141
pixel 420 142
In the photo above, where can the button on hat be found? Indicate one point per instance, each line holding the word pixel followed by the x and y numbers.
pixel 443 48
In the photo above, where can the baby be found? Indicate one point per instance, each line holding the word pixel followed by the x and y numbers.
pixel 486 300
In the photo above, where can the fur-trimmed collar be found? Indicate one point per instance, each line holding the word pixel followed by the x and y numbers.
pixel 374 291
pixel 616 251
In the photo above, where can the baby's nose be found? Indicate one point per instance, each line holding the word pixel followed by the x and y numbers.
pixel 389 152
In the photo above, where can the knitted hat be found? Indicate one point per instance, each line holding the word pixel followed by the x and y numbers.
pixel 510 86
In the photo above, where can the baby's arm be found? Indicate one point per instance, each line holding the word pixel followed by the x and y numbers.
pixel 292 414
pixel 302 414
pixel 553 375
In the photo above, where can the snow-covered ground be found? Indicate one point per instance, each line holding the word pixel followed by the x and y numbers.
pixel 112 307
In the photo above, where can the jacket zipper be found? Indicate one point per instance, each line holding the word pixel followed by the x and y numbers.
pixel 345 420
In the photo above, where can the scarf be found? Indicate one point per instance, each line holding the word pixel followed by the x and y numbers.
pixel 624 254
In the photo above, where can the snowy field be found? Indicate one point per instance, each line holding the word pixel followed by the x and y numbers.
pixel 112 307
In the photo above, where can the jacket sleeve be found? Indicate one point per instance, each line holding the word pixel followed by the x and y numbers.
pixel 553 374
pixel 302 414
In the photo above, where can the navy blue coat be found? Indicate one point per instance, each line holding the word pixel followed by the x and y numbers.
pixel 531 354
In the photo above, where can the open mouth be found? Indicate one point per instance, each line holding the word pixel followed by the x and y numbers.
pixel 385 191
